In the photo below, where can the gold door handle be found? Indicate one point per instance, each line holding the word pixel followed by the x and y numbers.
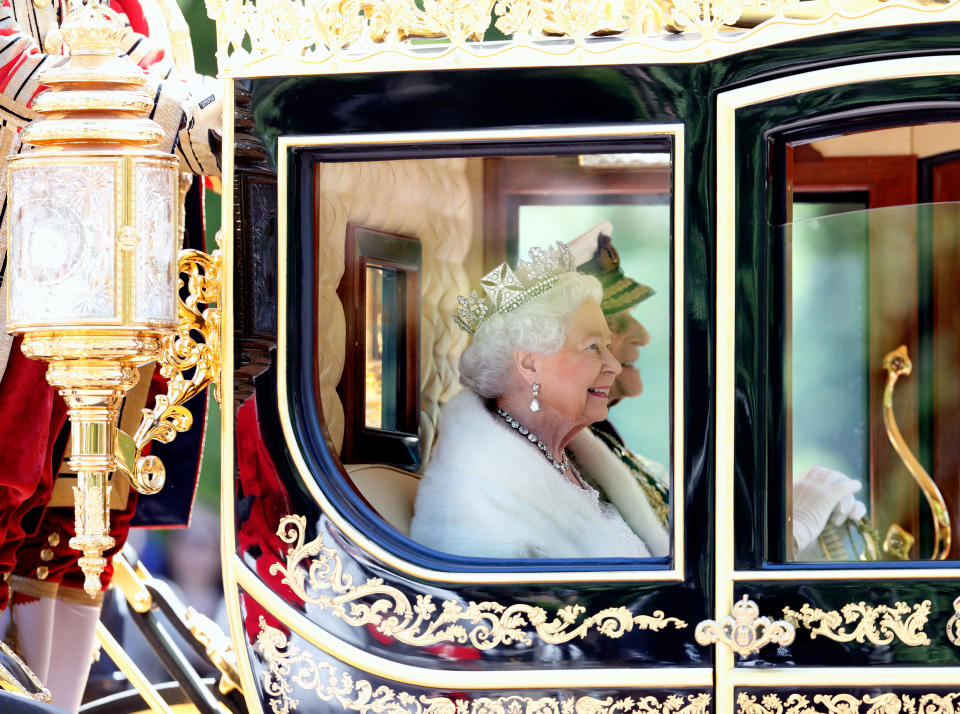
pixel 745 632
pixel 897 364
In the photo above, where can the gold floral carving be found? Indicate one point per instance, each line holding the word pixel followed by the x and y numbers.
pixel 337 23
pixel 705 16
pixel 483 625
pixel 194 350
pixel 886 703
pixel 744 631
pixel 880 624
pixel 323 27
pixel 357 30
pixel 287 666
pixel 392 21
pixel 953 624
pixel 520 18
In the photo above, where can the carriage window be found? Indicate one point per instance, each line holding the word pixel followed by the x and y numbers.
pixel 870 349
pixel 380 292
pixel 585 421
pixel 382 338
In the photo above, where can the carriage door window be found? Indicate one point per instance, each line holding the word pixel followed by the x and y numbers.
pixel 869 260
pixel 381 294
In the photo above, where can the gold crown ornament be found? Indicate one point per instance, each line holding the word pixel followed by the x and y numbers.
pixel 507 289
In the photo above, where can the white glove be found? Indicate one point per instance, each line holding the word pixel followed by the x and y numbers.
pixel 821 495
pixel 204 110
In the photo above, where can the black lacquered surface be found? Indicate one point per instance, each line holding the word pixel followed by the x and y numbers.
pixel 770 700
pixel 863 635
pixel 615 96
pixel 292 674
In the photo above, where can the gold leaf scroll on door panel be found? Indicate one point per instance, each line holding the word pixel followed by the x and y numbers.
pixel 885 703
pixel 877 624
pixel 288 667
pixel 315 572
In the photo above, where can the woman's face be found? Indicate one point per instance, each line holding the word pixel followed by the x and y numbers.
pixel 626 338
pixel 575 381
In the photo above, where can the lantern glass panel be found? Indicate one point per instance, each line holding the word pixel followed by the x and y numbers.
pixel 62 244
pixel 156 247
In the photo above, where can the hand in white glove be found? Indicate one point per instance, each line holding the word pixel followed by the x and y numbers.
pixel 202 133
pixel 821 495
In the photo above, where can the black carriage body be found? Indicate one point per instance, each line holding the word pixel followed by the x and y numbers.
pixel 306 585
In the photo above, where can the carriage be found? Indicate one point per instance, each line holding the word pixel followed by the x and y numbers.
pixel 782 173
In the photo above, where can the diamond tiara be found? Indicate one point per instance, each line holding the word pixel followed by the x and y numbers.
pixel 507 289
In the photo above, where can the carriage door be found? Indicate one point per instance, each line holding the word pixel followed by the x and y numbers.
pixel 838 470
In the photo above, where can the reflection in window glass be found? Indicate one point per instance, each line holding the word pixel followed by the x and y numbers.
pixel 830 279
pixel 828 260
pixel 381 357
pixel 867 291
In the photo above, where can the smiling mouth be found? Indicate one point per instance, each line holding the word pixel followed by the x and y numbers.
pixel 602 392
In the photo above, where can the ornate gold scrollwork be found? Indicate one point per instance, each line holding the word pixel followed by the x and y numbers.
pixel 898 364
pixel 194 348
pixel 886 703
pixel 356 30
pixel 706 16
pixel 289 666
pixel 953 624
pixel 745 632
pixel 9 682
pixel 218 647
pixel 483 625
pixel 332 26
pixel 898 542
pixel 879 624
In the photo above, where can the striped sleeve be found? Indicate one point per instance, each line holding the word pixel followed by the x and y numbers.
pixel 20 62
pixel 187 111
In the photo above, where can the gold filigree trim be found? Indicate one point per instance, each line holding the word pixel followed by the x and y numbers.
pixel 10 682
pixel 287 666
pixel 314 571
pixel 953 624
pixel 193 349
pixel 886 703
pixel 218 646
pixel 744 631
pixel 879 624
pixel 357 30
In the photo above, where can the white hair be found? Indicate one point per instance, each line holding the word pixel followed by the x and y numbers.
pixel 539 325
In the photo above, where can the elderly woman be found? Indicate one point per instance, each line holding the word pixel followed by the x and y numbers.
pixel 516 473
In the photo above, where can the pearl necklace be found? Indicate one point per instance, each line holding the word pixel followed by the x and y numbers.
pixel 560 466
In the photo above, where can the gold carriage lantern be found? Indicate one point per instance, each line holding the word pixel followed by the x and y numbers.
pixel 93 233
